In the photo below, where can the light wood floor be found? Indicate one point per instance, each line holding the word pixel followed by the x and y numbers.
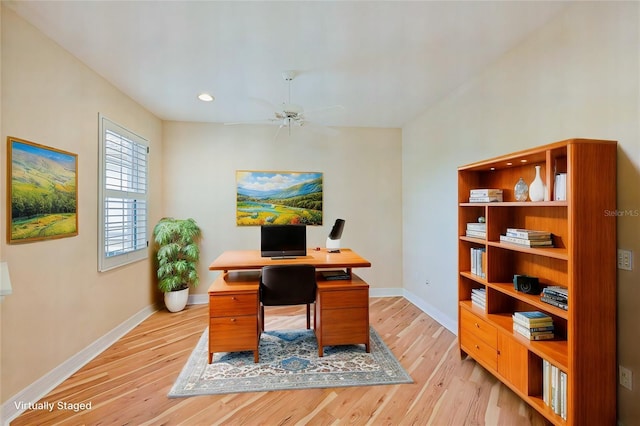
pixel 128 383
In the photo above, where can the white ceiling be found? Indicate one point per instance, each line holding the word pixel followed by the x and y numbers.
pixel 385 62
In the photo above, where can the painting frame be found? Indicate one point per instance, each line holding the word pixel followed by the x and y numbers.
pixel 278 197
pixel 42 192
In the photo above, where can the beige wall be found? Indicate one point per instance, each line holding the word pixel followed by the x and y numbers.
pixel 578 76
pixel 60 303
pixel 362 184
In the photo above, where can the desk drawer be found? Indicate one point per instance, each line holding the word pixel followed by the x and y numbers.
pixel 233 305
pixel 345 326
pixel 344 298
pixel 479 328
pixel 233 333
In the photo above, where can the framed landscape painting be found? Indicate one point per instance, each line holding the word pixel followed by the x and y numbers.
pixel 278 198
pixel 42 192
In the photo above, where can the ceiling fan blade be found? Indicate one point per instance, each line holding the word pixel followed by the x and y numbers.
pixel 263 121
pixel 268 105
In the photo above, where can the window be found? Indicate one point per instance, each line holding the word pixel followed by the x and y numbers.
pixel 122 196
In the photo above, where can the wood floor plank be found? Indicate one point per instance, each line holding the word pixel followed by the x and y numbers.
pixel 128 383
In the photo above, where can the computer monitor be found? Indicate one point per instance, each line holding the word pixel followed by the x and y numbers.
pixel 333 240
pixel 283 240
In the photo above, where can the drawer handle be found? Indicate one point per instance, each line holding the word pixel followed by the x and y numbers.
pixel 233 320
pixel 477 325
pixel 233 298
pixel 477 347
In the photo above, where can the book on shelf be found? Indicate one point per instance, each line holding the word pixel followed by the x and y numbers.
pixel 528 234
pixel 485 195
pixel 477 230
pixel 560 187
pixel 476 234
pixel 479 297
pixel 544 328
pixel 479 262
pixel 477 226
pixel 556 290
pixel 485 192
pixel 562 305
pixel 546 382
pixel 526 242
pixel 490 199
pixel 557 296
pixel 533 335
pixel 532 317
pixel 554 388
pixel 538 337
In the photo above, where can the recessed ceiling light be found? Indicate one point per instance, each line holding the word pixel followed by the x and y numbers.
pixel 205 97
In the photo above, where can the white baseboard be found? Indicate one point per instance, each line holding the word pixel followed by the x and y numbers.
pixel 38 389
pixel 198 299
pixel 432 311
pixel 385 292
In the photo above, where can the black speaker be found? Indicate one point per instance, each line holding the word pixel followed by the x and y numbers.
pixel 526 284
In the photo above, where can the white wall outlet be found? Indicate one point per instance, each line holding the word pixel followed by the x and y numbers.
pixel 626 377
pixel 625 259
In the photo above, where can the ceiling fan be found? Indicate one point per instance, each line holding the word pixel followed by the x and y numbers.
pixel 289 114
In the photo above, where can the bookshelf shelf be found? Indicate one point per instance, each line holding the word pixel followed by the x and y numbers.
pixel 581 260
pixel 557 253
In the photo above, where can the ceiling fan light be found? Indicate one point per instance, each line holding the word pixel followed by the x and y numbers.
pixel 205 97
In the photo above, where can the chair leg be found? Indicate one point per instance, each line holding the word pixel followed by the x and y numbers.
pixel 262 316
pixel 308 316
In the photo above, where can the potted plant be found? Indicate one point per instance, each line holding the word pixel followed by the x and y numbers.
pixel 177 257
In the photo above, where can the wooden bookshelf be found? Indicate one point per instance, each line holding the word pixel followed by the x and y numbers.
pixel 582 259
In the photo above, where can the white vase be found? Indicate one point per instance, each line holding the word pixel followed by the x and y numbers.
pixel 537 189
pixel 175 301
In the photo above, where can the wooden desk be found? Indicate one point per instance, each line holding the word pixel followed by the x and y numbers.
pixel 341 314
pixel 251 259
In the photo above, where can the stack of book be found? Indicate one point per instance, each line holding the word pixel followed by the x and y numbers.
pixel 534 325
pixel 554 388
pixel 527 237
pixel 479 297
pixel 477 230
pixel 485 195
pixel 479 262
pixel 557 296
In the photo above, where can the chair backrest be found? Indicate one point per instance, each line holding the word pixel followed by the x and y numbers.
pixel 288 285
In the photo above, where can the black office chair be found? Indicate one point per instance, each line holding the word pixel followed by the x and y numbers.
pixel 282 285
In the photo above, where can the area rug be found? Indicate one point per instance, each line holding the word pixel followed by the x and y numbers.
pixel 288 360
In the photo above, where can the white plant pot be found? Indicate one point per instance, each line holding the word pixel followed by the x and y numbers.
pixel 175 301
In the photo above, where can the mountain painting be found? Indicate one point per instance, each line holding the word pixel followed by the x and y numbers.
pixel 43 192
pixel 278 198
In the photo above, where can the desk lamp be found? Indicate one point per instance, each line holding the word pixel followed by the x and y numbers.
pixel 333 240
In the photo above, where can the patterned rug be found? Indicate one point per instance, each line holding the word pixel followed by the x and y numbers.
pixel 288 360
